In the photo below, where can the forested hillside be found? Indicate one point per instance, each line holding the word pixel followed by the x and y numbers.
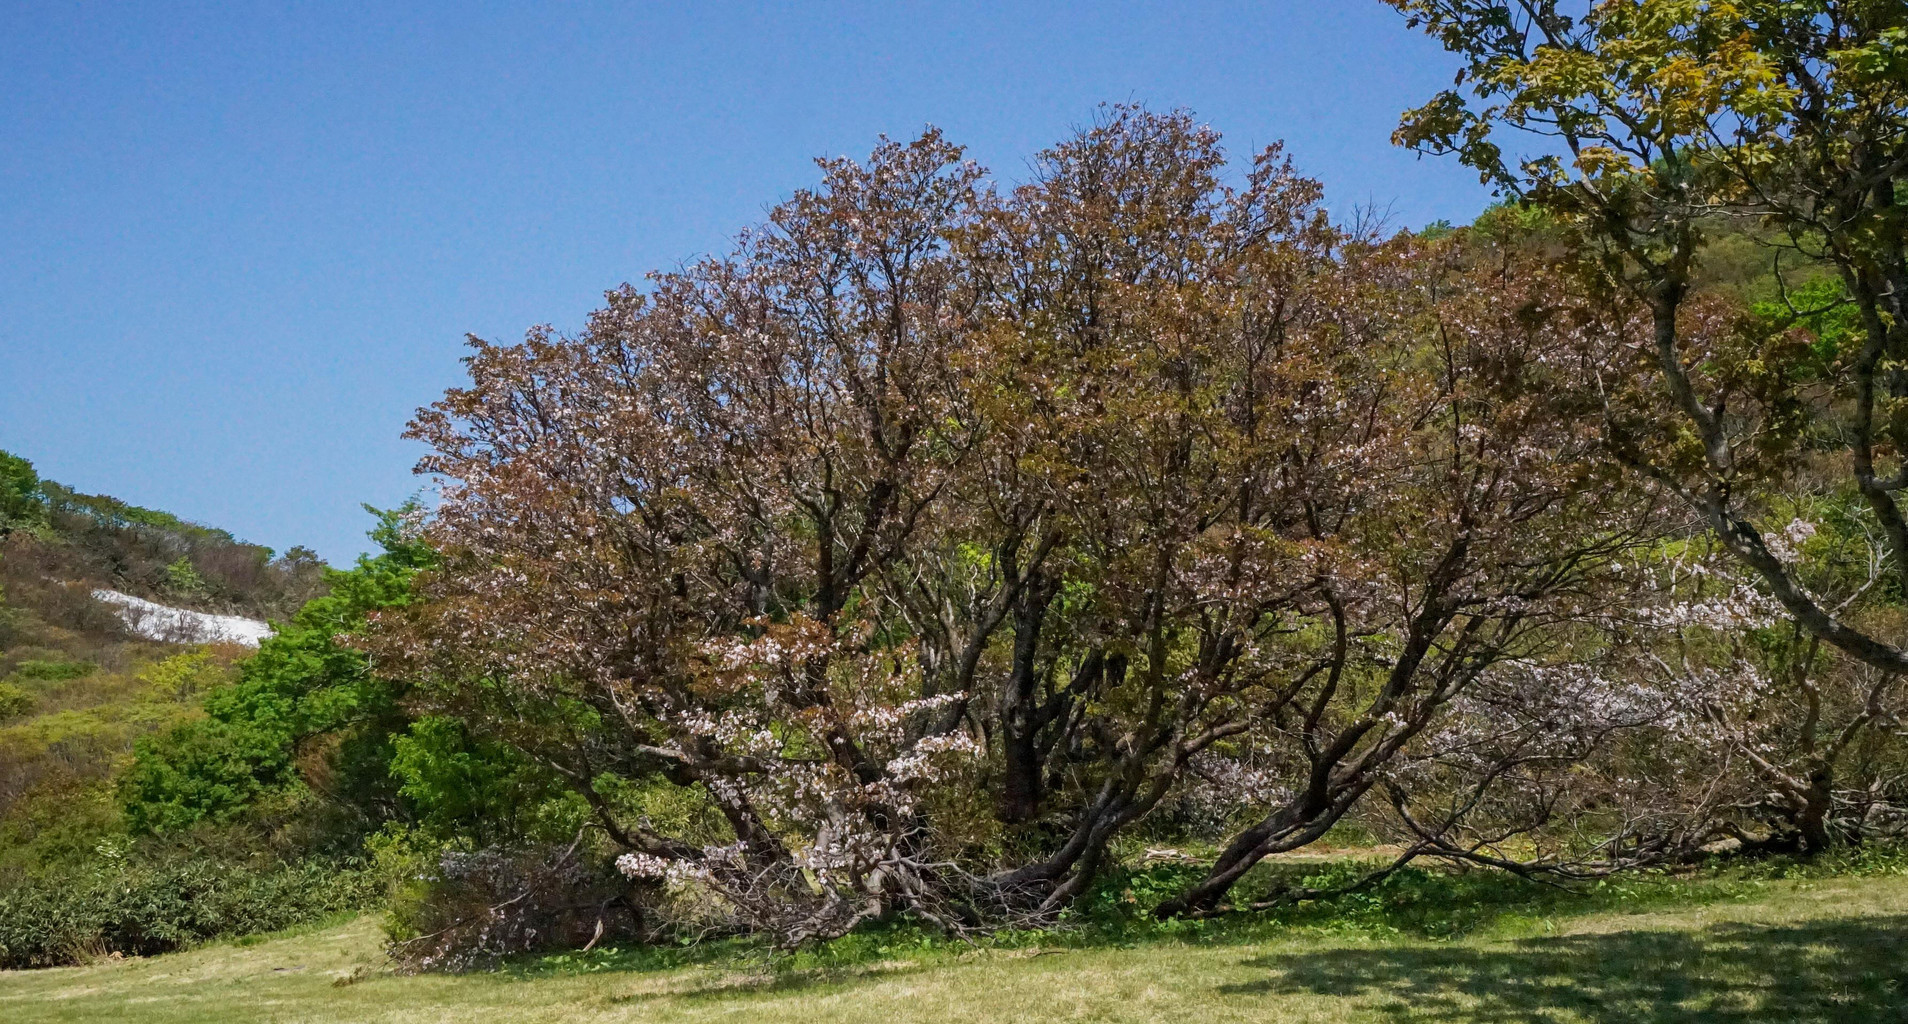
pixel 78 685
pixel 54 534
pixel 79 690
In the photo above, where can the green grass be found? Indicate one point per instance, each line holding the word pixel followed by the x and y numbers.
pixel 1734 949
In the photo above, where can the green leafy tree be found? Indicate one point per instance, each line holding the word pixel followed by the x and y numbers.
pixel 306 692
pixel 22 501
pixel 183 578
pixel 458 785
pixel 1662 114
pixel 1648 122
pixel 308 714
pixel 206 770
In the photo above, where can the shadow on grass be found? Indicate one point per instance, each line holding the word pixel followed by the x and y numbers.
pixel 723 987
pixel 1849 971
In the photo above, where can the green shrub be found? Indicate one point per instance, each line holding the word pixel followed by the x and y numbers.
pixel 53 671
pixel 457 785
pixel 57 827
pixel 183 579
pixel 202 770
pixel 303 690
pixel 183 676
pixel 139 909
pixel 14 701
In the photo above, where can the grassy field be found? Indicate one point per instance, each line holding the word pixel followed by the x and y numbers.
pixel 1826 949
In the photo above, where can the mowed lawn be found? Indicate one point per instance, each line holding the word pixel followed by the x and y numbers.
pixel 1823 950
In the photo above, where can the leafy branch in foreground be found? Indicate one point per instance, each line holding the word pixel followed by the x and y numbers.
pixel 1659 122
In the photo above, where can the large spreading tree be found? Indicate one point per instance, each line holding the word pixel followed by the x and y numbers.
pixel 937 536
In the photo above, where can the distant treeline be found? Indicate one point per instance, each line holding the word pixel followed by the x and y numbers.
pixel 54 532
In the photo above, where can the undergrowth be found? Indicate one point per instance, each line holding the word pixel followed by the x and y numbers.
pixel 140 909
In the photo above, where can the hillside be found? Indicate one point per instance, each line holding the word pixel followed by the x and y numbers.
pixel 51 532
pixel 79 683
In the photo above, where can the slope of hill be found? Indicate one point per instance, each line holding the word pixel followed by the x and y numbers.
pixel 151 620
pixel 114 620
pixel 49 532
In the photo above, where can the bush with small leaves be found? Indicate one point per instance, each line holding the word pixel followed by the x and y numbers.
pixel 14 701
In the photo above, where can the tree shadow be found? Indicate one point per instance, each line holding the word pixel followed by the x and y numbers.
pixel 756 983
pixel 1735 974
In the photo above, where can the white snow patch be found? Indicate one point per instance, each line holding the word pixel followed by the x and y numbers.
pixel 181 626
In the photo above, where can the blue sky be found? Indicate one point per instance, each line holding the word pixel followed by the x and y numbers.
pixel 240 244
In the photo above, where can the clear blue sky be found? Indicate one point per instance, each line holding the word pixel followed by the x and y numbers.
pixel 240 244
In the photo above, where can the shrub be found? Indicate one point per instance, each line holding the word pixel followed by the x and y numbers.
pixel 202 770
pixel 474 909
pixel 140 909
pixel 53 671
pixel 455 784
pixel 14 701
pixel 72 607
pixel 183 580
pixel 183 676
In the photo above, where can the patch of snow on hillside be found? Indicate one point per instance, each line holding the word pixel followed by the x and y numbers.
pixel 180 626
